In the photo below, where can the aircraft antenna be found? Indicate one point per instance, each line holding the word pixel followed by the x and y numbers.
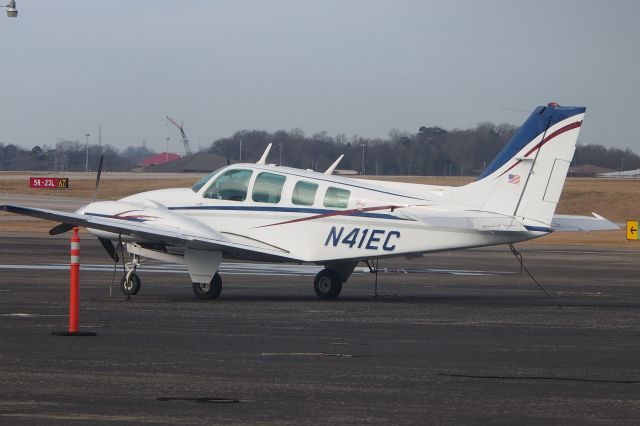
pixel 185 140
pixel 332 167
pixel 533 163
pixel 263 159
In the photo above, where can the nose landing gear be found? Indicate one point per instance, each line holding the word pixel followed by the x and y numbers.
pixel 130 282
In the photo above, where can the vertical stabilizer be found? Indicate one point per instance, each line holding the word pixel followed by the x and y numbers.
pixel 526 178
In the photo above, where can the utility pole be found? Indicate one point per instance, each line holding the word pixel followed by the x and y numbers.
pixel 362 169
pixel 86 164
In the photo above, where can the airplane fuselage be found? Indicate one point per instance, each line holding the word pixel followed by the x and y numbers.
pixel 318 218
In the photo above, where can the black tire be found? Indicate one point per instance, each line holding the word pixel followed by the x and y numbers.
pixel 130 287
pixel 208 290
pixel 327 284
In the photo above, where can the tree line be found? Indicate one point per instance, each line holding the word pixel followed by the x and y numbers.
pixel 70 156
pixel 431 151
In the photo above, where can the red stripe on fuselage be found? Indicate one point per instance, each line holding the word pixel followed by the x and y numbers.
pixel 336 213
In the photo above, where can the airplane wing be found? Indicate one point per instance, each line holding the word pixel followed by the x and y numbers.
pixel 147 232
pixel 572 223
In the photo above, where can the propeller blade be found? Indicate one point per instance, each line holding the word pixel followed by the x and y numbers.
pixel 61 229
pixel 95 191
pixel 110 248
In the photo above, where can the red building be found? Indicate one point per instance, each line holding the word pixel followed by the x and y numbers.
pixel 163 157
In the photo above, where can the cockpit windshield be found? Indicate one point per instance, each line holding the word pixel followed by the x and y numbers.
pixel 202 182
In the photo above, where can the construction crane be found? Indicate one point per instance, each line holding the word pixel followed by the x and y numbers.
pixel 185 140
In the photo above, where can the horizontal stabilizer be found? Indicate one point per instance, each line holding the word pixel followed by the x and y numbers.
pixel 569 223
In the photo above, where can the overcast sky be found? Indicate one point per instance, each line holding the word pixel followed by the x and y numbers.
pixel 353 67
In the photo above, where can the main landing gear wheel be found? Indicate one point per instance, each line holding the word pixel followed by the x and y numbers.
pixel 130 284
pixel 327 284
pixel 209 290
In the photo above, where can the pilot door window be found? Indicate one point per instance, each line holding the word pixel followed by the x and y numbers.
pixel 231 185
pixel 337 197
pixel 268 188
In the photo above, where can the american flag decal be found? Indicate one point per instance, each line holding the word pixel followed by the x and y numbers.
pixel 514 179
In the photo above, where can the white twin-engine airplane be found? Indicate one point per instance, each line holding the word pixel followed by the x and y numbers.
pixel 279 214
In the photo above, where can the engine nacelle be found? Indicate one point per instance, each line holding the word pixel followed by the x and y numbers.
pixel 147 214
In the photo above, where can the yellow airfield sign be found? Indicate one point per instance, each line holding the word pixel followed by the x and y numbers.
pixel 632 230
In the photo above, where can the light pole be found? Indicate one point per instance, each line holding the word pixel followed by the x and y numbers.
pixel 240 159
pixel 86 164
pixel 280 145
pixel 12 11
pixel 362 169
pixel 166 153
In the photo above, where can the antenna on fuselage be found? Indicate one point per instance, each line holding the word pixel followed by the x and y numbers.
pixel 263 159
pixel 333 166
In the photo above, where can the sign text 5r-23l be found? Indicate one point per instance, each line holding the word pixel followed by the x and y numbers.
pixel 369 239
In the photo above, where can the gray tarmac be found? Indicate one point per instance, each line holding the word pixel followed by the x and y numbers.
pixel 452 338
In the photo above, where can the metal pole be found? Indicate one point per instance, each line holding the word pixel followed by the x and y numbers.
pixel 166 153
pixel 280 144
pixel 240 159
pixel 362 168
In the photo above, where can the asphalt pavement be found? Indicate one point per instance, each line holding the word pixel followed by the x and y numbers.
pixel 451 338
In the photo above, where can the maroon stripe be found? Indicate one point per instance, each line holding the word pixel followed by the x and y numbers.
pixel 509 169
pixel 336 213
pixel 566 128
pixel 558 132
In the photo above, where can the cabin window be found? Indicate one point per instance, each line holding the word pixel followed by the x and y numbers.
pixel 231 185
pixel 304 193
pixel 268 188
pixel 336 197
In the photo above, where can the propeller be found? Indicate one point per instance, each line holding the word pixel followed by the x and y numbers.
pixel 65 227
pixel 60 229
pixel 110 248
pixel 95 191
